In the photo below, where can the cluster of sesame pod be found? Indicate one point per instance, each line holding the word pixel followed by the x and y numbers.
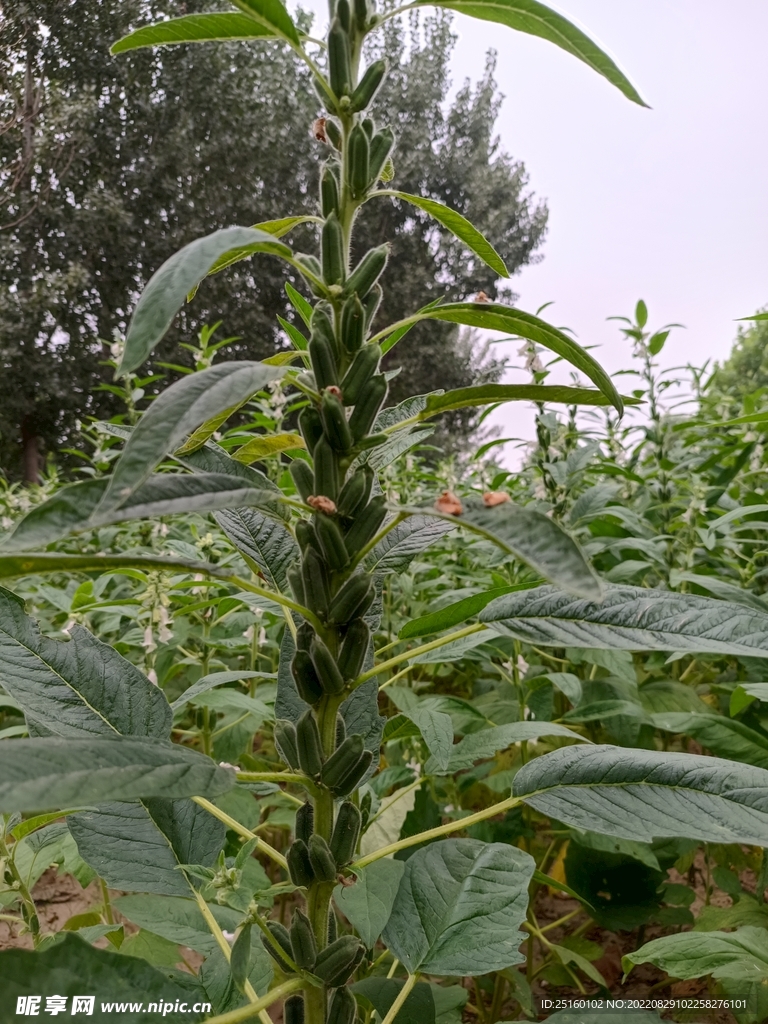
pixel 346 391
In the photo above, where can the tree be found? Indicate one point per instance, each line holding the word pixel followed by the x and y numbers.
pixel 746 368
pixel 106 168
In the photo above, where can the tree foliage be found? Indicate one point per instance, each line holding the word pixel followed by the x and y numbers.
pixel 109 165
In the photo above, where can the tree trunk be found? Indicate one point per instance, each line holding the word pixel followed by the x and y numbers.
pixel 30 446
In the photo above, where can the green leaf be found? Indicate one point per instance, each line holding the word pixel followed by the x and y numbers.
pixel 489 394
pixel 177 919
pixel 478 746
pixel 267 445
pixel 138 847
pixel 630 619
pixel 267 542
pixel 41 774
pixel 419 1005
pixel 30 825
pixel 493 316
pixel 42 562
pixel 721 589
pixel 529 536
pixel 645 794
pixel 177 412
pixel 169 286
pixel 755 316
pixel 455 613
pixel 241 957
pixel 203 433
pixel 538 20
pixel 275 228
pixel 162 495
pixel 368 903
pixel 75 689
pixel 722 736
pixel 166 494
pixel 213 679
pixel 741 955
pixel 453 650
pixel 460 227
pixel 396 551
pixel 745 693
pixel 436 729
pixel 459 907
pixel 641 852
pixel 272 15
pixel 192 28
pixel 64 512
pixel 71 967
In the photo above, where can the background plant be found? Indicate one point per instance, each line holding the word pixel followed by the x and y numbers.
pixel 279 632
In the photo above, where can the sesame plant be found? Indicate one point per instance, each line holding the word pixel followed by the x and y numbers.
pixel 321 906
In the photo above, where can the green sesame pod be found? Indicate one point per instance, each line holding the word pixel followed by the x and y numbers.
pixel 285 741
pixel 305 534
pixel 365 527
pixel 329 192
pixel 371 304
pixel 345 834
pixel 315 577
pixel 338 59
pixel 369 84
pixel 332 256
pixel 305 821
pixel 353 599
pixel 341 731
pixel 313 272
pixel 354 649
pixel 354 776
pixel 307 683
pixel 300 870
pixel 320 323
pixel 366 804
pixel 333 931
pixel 279 932
pixel 309 744
pixel 302 937
pixel 332 542
pixel 332 131
pixel 336 963
pixel 381 146
pixel 369 127
pixel 326 470
pixel 311 427
pixel 362 13
pixel 335 422
pixel 367 272
pixel 321 859
pixel 297 584
pixel 353 321
pixel 303 478
pixel 344 14
pixel 342 759
pixel 365 365
pixel 356 491
pixel 359 158
pixel 304 635
pixel 343 1007
pixel 293 1010
pixel 327 670
pixel 369 402
pixel 323 361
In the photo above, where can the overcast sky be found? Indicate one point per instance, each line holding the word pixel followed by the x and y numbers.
pixel 668 204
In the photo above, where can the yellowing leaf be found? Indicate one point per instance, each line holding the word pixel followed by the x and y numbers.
pixel 264 446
